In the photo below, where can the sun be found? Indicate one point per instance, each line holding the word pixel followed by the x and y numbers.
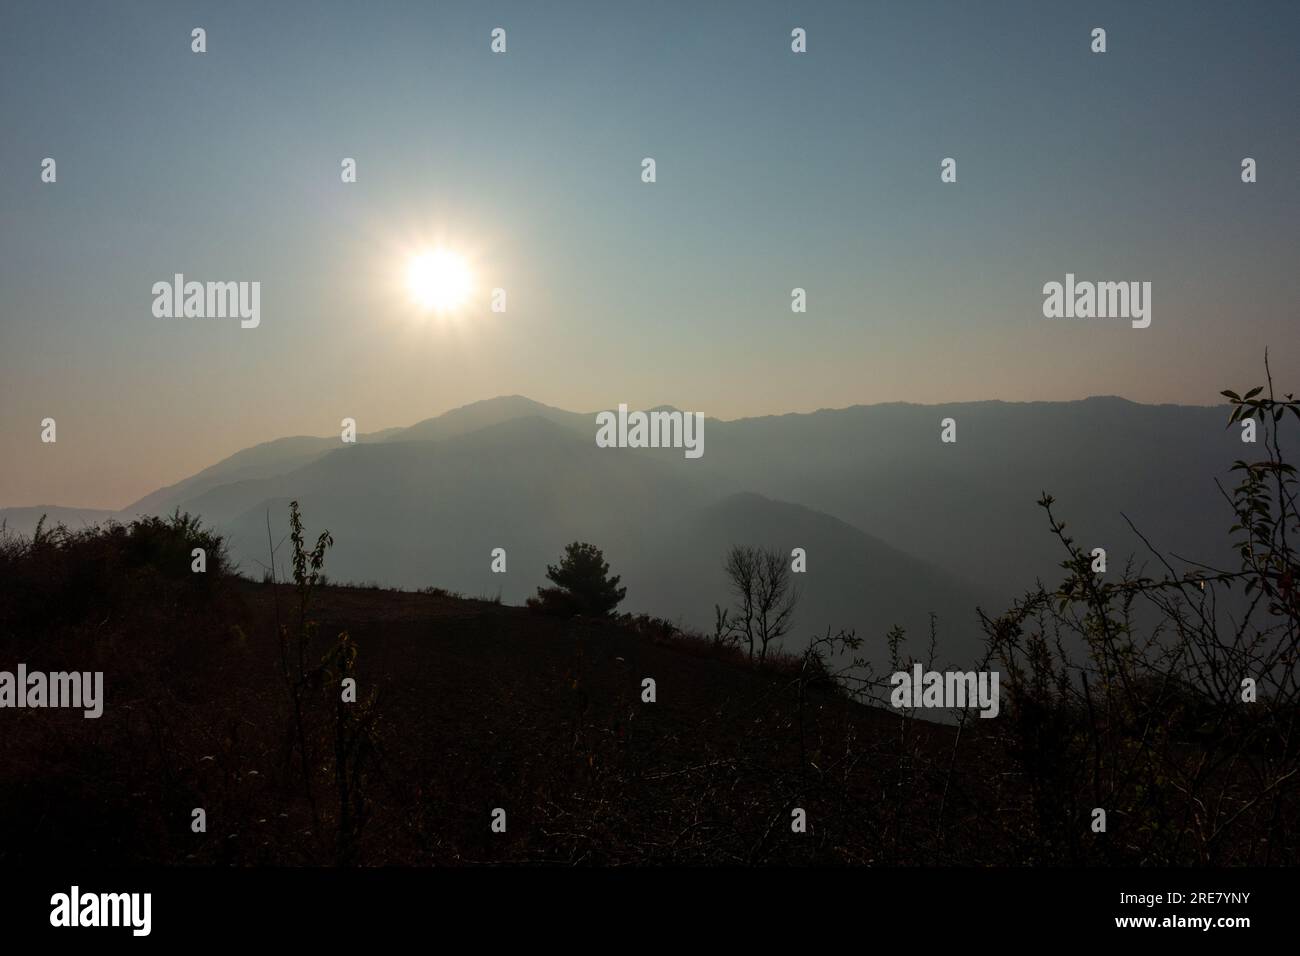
pixel 439 280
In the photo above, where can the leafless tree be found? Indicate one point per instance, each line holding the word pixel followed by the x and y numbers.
pixel 766 596
pixel 742 572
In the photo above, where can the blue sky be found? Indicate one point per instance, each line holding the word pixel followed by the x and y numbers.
pixel 775 170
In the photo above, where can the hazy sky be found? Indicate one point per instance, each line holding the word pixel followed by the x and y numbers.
pixel 775 170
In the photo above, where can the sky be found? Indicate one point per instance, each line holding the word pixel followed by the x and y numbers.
pixel 775 170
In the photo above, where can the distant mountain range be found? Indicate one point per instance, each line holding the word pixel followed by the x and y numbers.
pixel 896 523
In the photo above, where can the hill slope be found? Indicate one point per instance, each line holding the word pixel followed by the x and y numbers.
pixel 481 707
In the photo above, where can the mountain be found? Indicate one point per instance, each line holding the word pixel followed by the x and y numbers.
pixel 431 512
pixel 261 461
pixel 23 521
pixel 896 523
pixel 970 506
pixel 493 411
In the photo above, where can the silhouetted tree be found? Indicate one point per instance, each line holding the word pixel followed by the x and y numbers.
pixel 582 584
pixel 765 593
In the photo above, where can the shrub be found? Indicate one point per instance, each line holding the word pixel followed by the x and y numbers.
pixel 59 575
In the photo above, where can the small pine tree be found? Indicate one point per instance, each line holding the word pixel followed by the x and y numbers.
pixel 582 584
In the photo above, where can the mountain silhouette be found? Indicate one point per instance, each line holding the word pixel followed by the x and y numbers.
pixel 896 523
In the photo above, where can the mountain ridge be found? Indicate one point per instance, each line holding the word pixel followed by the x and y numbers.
pixel 426 504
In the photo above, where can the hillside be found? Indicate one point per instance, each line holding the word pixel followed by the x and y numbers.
pixel 263 723
pixel 481 706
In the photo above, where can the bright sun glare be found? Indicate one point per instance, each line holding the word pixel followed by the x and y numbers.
pixel 438 280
